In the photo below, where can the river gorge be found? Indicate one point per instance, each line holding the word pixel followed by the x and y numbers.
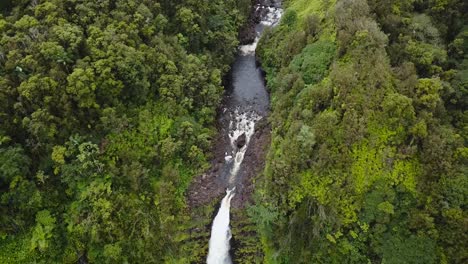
pixel 246 104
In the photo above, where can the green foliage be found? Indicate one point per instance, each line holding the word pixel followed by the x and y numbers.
pixel 290 18
pixel 363 165
pixel 426 56
pixel 16 250
pixel 42 232
pixel 402 250
pixel 106 112
pixel 427 92
pixel 314 60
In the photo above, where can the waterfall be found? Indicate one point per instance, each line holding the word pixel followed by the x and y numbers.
pixel 221 233
pixel 249 103
pixel 242 125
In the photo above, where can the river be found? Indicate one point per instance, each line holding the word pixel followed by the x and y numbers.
pixel 246 103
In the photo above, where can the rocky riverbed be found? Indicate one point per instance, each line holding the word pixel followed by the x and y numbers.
pixel 245 92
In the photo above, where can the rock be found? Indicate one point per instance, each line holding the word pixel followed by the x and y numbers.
pixel 241 141
pixel 247 35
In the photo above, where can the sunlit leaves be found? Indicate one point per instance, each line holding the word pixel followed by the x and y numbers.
pixel 140 81
pixel 26 22
pixel 43 231
pixel 81 84
pixel 69 36
pixel 427 57
pixel 38 90
pixel 314 60
pixel 372 142
pixel 427 92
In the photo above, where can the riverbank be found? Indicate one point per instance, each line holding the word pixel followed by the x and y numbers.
pixel 239 149
pixel 212 184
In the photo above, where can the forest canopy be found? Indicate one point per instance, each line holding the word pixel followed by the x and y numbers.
pixel 106 113
pixel 368 161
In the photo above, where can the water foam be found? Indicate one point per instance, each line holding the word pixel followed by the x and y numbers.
pixel 241 123
pixel 271 19
pixel 221 233
pixel 249 49
pixel 244 123
pixel 273 16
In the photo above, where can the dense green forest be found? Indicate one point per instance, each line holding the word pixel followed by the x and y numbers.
pixel 368 161
pixel 106 113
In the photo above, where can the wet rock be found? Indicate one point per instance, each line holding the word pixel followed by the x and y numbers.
pixel 241 141
pixel 247 35
pixel 211 186
pixel 258 134
pixel 271 3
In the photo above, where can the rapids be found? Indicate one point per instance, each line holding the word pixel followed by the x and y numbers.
pixel 247 104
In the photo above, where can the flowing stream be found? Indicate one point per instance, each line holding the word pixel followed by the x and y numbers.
pixel 247 103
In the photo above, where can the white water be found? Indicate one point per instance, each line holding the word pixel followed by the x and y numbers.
pixel 271 19
pixel 242 122
pixel 273 16
pixel 249 49
pixel 221 233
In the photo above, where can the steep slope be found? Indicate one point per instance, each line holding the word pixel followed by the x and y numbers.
pixel 368 160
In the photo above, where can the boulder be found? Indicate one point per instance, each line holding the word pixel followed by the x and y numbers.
pixel 241 141
pixel 247 35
